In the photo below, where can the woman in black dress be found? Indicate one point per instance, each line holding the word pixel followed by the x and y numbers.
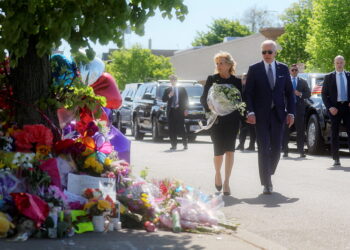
pixel 225 129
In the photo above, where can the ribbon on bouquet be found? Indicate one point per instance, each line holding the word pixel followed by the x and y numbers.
pixel 210 122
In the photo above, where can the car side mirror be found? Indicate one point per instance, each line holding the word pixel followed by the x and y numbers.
pixel 148 96
pixel 127 99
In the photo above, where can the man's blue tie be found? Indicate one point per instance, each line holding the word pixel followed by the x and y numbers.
pixel 294 83
pixel 343 95
pixel 270 77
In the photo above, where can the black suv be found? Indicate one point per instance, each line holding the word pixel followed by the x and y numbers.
pixel 122 117
pixel 149 111
pixel 317 121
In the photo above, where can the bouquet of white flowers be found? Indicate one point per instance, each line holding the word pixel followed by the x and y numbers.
pixel 222 100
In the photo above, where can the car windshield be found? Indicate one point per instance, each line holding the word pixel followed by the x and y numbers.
pixel 194 91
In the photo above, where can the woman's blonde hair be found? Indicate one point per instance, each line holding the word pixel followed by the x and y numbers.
pixel 228 59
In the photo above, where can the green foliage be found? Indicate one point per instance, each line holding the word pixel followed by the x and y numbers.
pixel 75 21
pixel 138 65
pixel 329 34
pixel 293 41
pixel 220 29
pixel 73 96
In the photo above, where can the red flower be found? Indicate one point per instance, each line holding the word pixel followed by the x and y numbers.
pixel 23 142
pixel 64 146
pixel 39 134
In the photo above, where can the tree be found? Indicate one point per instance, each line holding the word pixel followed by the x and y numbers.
pixel 257 18
pixel 138 65
pixel 329 34
pixel 29 29
pixel 296 25
pixel 218 30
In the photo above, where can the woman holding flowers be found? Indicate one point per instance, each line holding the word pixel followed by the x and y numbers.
pixel 225 128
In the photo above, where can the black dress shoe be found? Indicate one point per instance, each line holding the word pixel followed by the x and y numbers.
pixel 336 163
pixel 285 155
pixel 251 148
pixel 185 147
pixel 267 190
pixel 173 148
pixel 240 147
pixel 302 155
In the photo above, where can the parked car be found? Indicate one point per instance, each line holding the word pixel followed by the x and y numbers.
pixel 317 121
pixel 122 117
pixel 149 111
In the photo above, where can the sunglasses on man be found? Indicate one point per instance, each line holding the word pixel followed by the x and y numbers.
pixel 264 52
pixel 294 70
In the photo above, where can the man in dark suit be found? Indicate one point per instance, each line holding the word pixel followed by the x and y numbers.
pixel 177 100
pixel 270 103
pixel 301 92
pixel 336 97
pixel 245 127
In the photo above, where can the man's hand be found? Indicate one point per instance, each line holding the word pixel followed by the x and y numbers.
pixel 171 93
pixel 297 93
pixel 251 119
pixel 333 110
pixel 186 112
pixel 290 120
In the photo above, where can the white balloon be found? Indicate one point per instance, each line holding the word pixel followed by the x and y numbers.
pixel 92 71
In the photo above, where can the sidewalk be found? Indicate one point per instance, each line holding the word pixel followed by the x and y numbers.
pixel 140 239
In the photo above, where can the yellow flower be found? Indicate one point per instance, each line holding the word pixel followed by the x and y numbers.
pixel 89 204
pixel 108 161
pixel 42 151
pixel 91 162
pixel 104 205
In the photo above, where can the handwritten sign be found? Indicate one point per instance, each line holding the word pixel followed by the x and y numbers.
pixel 78 183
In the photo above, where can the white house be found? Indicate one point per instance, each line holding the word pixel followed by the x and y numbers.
pixel 197 64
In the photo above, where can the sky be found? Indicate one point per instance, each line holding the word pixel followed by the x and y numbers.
pixel 174 34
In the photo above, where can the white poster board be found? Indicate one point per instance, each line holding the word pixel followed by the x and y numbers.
pixel 78 183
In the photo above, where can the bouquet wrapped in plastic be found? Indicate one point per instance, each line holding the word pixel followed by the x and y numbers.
pixel 222 100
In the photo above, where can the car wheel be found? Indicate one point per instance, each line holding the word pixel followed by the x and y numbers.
pixel 155 130
pixel 137 134
pixel 119 125
pixel 314 140
pixel 192 138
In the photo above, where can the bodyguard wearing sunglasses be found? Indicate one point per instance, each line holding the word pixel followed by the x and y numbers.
pixel 301 92
pixel 270 103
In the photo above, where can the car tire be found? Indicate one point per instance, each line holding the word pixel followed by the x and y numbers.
pixel 118 124
pixel 137 134
pixel 314 140
pixel 155 130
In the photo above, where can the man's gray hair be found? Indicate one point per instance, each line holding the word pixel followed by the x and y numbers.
pixel 339 57
pixel 269 42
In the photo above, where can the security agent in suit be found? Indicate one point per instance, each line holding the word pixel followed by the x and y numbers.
pixel 177 105
pixel 270 103
pixel 301 92
pixel 336 97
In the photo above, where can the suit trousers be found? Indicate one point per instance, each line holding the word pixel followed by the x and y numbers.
pixel 176 123
pixel 246 129
pixel 269 132
pixel 300 130
pixel 342 115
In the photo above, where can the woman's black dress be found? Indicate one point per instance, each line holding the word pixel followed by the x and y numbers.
pixel 225 129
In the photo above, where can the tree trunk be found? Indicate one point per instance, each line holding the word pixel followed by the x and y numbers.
pixel 31 79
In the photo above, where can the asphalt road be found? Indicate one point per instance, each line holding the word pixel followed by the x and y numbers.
pixel 310 206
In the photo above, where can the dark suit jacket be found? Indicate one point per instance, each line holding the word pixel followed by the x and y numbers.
pixel 330 91
pixel 259 95
pixel 183 99
pixel 306 93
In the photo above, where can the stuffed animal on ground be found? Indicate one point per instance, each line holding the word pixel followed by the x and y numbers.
pixel 5 225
